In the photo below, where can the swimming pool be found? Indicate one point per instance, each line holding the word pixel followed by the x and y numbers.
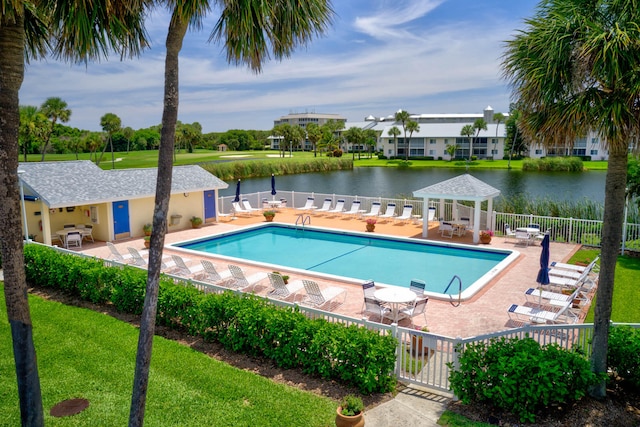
pixel 354 257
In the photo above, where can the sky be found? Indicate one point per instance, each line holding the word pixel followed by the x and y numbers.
pixel 377 57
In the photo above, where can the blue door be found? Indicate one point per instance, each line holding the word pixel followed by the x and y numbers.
pixel 209 206
pixel 121 219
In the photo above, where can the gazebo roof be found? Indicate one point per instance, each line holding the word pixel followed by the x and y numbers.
pixel 462 187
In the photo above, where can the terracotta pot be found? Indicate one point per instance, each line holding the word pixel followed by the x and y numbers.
pixel 196 225
pixel 371 227
pixel 346 421
pixel 486 239
pixel 147 244
pixel 268 218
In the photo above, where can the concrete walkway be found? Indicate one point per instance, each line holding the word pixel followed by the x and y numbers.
pixel 412 406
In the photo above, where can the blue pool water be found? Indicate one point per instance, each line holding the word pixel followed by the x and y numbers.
pixel 359 256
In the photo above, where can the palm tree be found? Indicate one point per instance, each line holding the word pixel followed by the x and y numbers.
pixel 498 118
pixel 403 117
pixel 468 131
pixel 479 125
pixel 574 69
pixel 412 126
pixel 314 134
pixel 110 123
pixel 28 31
pixel 451 151
pixel 249 31
pixel 54 109
pixel 355 136
pixel 32 127
pixel 394 132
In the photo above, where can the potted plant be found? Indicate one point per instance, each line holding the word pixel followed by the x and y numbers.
pixel 371 224
pixel 196 222
pixel 350 412
pixel 416 342
pixel 147 241
pixel 269 215
pixel 147 228
pixel 485 236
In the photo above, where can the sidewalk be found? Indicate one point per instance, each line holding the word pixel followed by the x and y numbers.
pixel 412 406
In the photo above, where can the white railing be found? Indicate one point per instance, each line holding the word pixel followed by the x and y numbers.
pixel 568 230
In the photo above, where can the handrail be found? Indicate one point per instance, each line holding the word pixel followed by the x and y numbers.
pixel 304 219
pixel 455 276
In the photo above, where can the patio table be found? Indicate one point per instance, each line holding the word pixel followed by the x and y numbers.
pixel 395 297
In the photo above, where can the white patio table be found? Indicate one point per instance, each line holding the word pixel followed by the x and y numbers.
pixel 395 297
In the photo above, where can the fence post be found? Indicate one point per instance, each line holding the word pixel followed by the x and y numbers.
pixel 569 237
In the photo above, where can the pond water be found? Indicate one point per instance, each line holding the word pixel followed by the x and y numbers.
pixel 396 183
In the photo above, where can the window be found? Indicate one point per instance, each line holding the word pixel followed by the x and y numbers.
pixel 594 141
pixel 594 152
pixel 538 152
pixel 432 152
pixel 432 141
pixel 494 151
pixel 446 141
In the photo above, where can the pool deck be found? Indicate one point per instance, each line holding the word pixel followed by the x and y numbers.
pixel 485 312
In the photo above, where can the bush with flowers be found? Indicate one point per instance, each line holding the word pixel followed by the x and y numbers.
pixel 371 221
pixel 486 233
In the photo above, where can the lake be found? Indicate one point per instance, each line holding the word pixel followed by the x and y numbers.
pixel 396 183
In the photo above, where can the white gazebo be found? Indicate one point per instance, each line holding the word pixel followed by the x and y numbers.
pixel 463 187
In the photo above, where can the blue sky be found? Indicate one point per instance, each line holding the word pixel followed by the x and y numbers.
pixel 423 56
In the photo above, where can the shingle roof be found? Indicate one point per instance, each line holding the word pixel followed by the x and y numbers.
pixel 61 184
pixel 462 187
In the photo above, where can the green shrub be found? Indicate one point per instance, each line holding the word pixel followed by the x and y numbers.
pixel 568 164
pixel 520 376
pixel 623 356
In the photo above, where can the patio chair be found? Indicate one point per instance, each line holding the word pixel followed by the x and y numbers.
pixel 368 290
pixel 339 207
pixel 417 287
pixel 56 237
pixel 280 289
pixel 373 306
pixel 508 234
pixel 318 297
pixel 182 269
pixel 115 254
pixel 326 206
pixel 540 236
pixel 432 214
pixel 212 275
pixel 390 212
pixel 241 282
pixel 355 208
pixel 416 309
pixel 247 206
pixel 73 239
pixel 446 229
pixel 375 209
pixel 308 205
pixel 406 213
pixel 69 226
pixel 523 237
pixel 87 232
pixel 526 314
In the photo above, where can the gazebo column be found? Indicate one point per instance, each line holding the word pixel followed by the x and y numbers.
pixel 425 218
pixel 476 222
pixel 490 223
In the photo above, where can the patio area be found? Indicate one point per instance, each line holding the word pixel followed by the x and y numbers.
pixel 485 312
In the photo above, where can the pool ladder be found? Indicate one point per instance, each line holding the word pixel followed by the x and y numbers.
pixel 302 219
pixel 455 276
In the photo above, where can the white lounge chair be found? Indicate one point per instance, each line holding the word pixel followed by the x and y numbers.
pixel 390 211
pixel 308 205
pixel 182 269
pixel 339 207
pixel 355 208
pixel 527 314
pixel 283 290
pixel 212 275
pixel 140 261
pixel 584 281
pixel 247 206
pixel 593 266
pixel 541 298
pixel 375 209
pixel 241 281
pixel 326 206
pixel 238 209
pixel 115 253
pixel 406 213
pixel 318 297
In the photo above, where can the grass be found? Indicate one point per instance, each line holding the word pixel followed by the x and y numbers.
pixel 82 353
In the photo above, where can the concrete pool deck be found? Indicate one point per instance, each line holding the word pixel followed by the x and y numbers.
pixel 483 313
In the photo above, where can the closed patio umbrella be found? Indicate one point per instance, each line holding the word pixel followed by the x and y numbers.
pixel 543 273
pixel 237 199
pixel 273 185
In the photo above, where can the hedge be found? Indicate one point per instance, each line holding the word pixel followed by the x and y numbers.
pixel 243 323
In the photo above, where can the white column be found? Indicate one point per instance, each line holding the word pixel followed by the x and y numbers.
pixel 476 222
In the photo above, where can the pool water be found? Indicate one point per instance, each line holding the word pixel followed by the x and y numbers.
pixel 359 256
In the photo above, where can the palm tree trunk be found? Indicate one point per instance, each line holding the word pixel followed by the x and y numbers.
pixel 175 36
pixel 611 236
pixel 12 40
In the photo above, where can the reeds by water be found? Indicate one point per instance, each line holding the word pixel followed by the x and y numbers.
pixel 261 168
pixel 566 164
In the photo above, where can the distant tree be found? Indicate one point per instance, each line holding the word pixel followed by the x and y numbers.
pixel 403 117
pixel 370 140
pixel 468 131
pixel 331 134
pixel 54 109
pixel 110 124
pixel 93 141
pixel 395 132
pixel 479 125
pixel 451 151
pixel 355 136
pixel 412 126
pixel 76 145
pixel 516 142
pixel 498 118
pixel 33 127
pixel 314 134
pixel 189 135
pixel 128 133
pixel 146 139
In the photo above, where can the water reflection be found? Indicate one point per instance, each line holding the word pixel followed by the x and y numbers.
pixel 391 182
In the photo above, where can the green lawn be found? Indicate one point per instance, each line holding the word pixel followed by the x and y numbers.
pixel 82 353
